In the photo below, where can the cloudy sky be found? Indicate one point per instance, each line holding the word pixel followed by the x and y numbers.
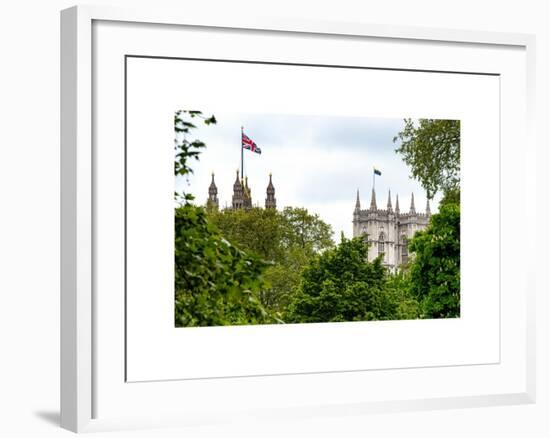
pixel 318 162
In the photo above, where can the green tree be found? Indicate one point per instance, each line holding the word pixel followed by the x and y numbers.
pixel 257 230
pixel 271 234
pixel 283 278
pixel 341 285
pixel 289 239
pixel 306 230
pixel 398 287
pixel 215 282
pixel 431 149
pixel 451 196
pixel 435 268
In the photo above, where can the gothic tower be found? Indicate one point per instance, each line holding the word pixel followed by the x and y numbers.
pixel 247 194
pixel 238 193
pixel 270 201
pixel 388 231
pixel 213 195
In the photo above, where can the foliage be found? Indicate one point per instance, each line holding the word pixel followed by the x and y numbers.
pixel 431 148
pixel 289 239
pixel 341 285
pixel 215 282
pixel 258 266
pixel 282 279
pixel 270 233
pixel 398 287
pixel 451 196
pixel 307 231
pixel 256 230
pixel 186 149
pixel 435 269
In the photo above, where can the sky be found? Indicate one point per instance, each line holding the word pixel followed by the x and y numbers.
pixel 317 162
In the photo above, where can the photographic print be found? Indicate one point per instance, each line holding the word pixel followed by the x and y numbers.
pixel 287 218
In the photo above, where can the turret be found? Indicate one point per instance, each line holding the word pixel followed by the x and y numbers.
pixel 389 207
pixel 213 194
pixel 237 193
pixel 270 201
pixel 373 201
pixel 357 203
pixel 396 204
pixel 412 209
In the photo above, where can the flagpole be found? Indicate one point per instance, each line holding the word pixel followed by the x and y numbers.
pixel 242 155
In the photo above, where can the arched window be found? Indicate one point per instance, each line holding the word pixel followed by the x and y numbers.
pixel 404 249
pixel 381 244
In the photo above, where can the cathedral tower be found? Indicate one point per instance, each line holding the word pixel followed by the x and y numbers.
pixel 270 201
pixel 238 193
pixel 213 195
pixel 388 231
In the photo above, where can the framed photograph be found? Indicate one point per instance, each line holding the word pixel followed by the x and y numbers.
pixel 285 219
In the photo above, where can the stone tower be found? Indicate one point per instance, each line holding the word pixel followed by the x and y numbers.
pixel 242 194
pixel 213 195
pixel 388 231
pixel 270 201
pixel 238 193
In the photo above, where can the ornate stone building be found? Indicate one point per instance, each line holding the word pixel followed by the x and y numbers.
pixel 388 231
pixel 242 194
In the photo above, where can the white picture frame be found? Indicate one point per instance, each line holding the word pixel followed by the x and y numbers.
pixel 84 371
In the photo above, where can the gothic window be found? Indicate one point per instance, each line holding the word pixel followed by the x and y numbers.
pixel 404 249
pixel 381 244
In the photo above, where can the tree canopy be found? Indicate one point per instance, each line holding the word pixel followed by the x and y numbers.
pixel 341 285
pixel 431 149
pixel 215 282
pixel 435 270
pixel 288 239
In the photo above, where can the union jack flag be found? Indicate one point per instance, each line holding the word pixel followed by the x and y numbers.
pixel 247 143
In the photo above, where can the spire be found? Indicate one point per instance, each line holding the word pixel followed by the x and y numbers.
pixel 357 202
pixel 213 189
pixel 389 207
pixel 270 201
pixel 396 204
pixel 237 193
pixel 412 209
pixel 428 211
pixel 373 201
pixel 213 194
